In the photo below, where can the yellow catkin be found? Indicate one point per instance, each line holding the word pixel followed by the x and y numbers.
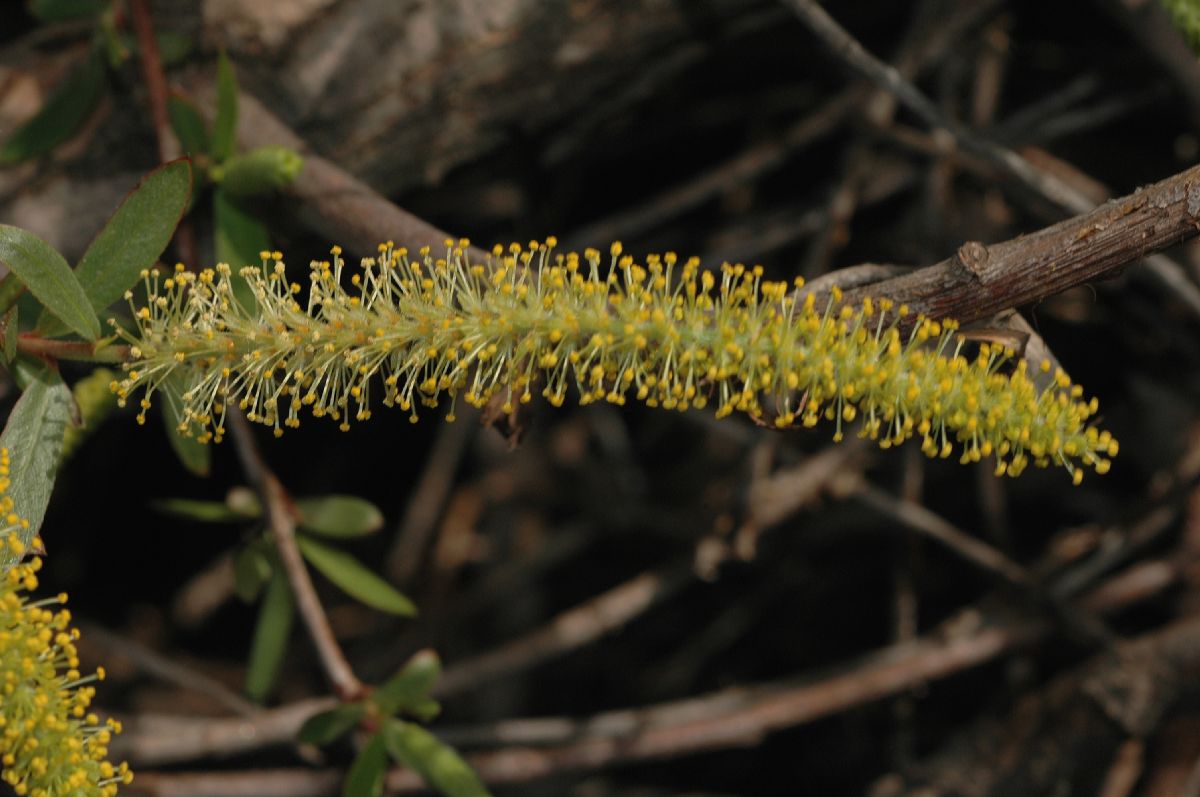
pixel 411 330
pixel 50 745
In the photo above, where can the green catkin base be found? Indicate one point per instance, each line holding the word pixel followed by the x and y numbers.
pixel 667 333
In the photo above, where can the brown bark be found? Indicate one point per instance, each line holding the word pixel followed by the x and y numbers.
pixel 980 279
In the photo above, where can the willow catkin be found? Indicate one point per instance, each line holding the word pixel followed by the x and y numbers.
pixel 419 328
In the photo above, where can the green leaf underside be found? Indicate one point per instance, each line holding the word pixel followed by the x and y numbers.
pixel 437 763
pixel 225 125
pixel 133 239
pixel 192 454
pixel 239 238
pixel 10 328
pixel 188 125
pixel 365 778
pixel 339 516
pixel 49 279
pixel 64 10
pixel 354 578
pixel 251 570
pixel 409 687
pixel 328 726
pixel 173 47
pixel 271 634
pixel 33 436
pixel 64 113
pixel 206 511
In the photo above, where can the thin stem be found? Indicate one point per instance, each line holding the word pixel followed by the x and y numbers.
pixel 281 520
pixel 81 350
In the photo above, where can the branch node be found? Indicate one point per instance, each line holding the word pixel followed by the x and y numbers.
pixel 1193 200
pixel 973 256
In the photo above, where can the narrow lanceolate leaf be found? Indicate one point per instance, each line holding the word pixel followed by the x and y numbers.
pixel 192 454
pixel 410 686
pixel 224 132
pixel 49 279
pixel 354 579
pixel 270 636
pixel 252 570
pixel 204 511
pixel 34 439
pixel 188 125
pixel 133 239
pixel 239 238
pixel 365 778
pixel 339 515
pixel 321 729
pixel 61 117
pixel 437 763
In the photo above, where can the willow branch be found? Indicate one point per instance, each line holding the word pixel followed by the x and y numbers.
pixel 282 523
pixel 982 279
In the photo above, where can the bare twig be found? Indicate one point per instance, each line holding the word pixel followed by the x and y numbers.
pixel 252 783
pixel 158 740
pixel 848 49
pixel 936 528
pixel 428 497
pixel 962 641
pixel 569 630
pixel 156 91
pixel 326 198
pixel 154 664
pixel 1151 26
pixel 981 280
pixel 155 79
pixel 282 522
pixel 1058 257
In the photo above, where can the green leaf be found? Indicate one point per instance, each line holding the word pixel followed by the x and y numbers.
pixel 33 436
pixel 10 329
pixel 261 171
pixel 252 569
pixel 239 240
pixel 49 279
pixel 426 710
pixel 275 618
pixel 173 47
pixel 328 726
pixel 410 686
pixel 61 117
pixel 339 515
pixel 355 580
pixel 12 290
pixel 365 778
pixel 195 456
pixel 224 133
pixel 204 511
pixel 133 238
pixel 96 402
pixel 113 40
pixel 65 10
pixel 188 125
pixel 437 763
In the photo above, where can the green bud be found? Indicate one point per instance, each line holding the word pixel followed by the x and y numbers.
pixel 259 171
